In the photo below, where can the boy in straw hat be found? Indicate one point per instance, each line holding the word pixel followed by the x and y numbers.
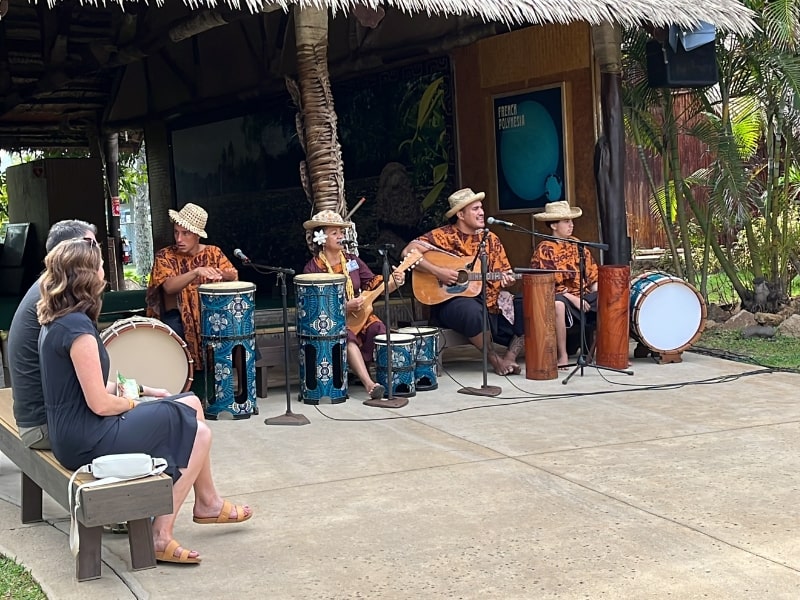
pixel 563 256
pixel 177 272
pixel 327 232
pixel 464 314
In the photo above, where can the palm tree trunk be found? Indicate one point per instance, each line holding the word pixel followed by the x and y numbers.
pixel 322 172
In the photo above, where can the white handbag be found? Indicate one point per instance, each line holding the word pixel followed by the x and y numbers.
pixel 111 468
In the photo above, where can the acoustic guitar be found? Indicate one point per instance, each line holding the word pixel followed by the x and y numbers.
pixel 356 319
pixel 429 290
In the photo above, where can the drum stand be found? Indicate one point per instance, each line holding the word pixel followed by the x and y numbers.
pixel 484 390
pixel 288 418
pixel 582 362
pixel 389 401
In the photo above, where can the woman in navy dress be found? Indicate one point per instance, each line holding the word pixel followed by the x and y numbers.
pixel 86 420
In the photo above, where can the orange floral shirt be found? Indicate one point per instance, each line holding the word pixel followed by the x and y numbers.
pixel 453 240
pixel 564 256
pixel 167 263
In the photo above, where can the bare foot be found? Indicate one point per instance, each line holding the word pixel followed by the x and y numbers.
pixel 511 360
pixel 503 366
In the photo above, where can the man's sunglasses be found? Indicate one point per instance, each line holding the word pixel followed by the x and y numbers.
pixel 92 242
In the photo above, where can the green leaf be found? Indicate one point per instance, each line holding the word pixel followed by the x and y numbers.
pixel 432 196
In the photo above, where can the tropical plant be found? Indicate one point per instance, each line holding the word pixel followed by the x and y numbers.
pixel 428 147
pixel 748 122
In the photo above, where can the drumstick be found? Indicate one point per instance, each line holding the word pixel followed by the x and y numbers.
pixel 355 208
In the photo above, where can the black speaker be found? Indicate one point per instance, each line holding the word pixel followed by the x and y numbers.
pixel 681 68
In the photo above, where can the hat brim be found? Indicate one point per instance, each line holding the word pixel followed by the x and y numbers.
pixel 476 198
pixel 311 224
pixel 176 217
pixel 574 213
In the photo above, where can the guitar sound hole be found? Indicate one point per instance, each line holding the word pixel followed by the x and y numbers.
pixel 463 277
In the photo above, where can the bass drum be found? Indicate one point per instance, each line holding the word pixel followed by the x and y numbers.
pixel 150 352
pixel 667 314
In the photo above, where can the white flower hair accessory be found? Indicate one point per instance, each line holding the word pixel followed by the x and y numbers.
pixel 320 237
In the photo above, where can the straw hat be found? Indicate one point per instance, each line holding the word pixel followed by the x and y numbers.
pixel 558 211
pixel 191 217
pixel 326 218
pixel 461 199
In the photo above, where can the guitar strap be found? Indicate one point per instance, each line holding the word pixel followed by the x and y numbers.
pixel 430 246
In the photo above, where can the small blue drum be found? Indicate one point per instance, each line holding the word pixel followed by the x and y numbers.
pixel 403 350
pixel 322 333
pixel 228 336
pixel 427 356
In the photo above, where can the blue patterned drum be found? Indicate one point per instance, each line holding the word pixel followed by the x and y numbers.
pixel 234 394
pixel 322 334
pixel 403 350
pixel 227 309
pixel 427 356
pixel 228 336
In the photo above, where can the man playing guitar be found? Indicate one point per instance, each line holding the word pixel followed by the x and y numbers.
pixel 462 311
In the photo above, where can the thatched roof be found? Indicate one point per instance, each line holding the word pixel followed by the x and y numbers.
pixel 729 15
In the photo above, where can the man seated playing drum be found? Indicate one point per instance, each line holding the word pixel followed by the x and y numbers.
pixel 177 272
pixel 563 258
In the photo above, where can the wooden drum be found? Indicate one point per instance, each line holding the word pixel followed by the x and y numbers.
pixel 539 308
pixel 613 295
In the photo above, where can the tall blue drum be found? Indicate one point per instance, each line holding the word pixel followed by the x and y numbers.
pixel 322 334
pixel 403 352
pixel 426 356
pixel 228 336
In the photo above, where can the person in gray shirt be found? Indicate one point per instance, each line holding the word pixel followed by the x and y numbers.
pixel 23 348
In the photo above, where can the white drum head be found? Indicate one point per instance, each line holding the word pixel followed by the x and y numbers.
pixel 669 316
pixel 226 287
pixel 150 352
pixel 420 331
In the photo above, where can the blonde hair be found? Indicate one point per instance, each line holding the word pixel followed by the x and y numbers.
pixel 70 282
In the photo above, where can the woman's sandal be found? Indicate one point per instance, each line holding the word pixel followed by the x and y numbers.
pixel 224 515
pixel 168 555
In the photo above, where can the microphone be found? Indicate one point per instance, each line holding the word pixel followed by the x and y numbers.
pixel 349 243
pixel 493 221
pixel 241 255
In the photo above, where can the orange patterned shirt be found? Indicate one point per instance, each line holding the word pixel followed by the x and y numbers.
pixel 563 255
pixel 167 263
pixel 453 240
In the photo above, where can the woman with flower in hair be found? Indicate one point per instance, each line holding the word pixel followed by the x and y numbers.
pixel 86 419
pixel 327 232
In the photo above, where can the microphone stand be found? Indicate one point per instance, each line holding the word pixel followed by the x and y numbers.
pixel 288 418
pixel 390 401
pixel 485 389
pixel 581 361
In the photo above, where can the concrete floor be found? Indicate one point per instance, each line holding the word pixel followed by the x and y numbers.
pixel 678 482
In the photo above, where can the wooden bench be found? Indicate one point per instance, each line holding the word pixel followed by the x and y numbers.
pixel 270 345
pixel 133 502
